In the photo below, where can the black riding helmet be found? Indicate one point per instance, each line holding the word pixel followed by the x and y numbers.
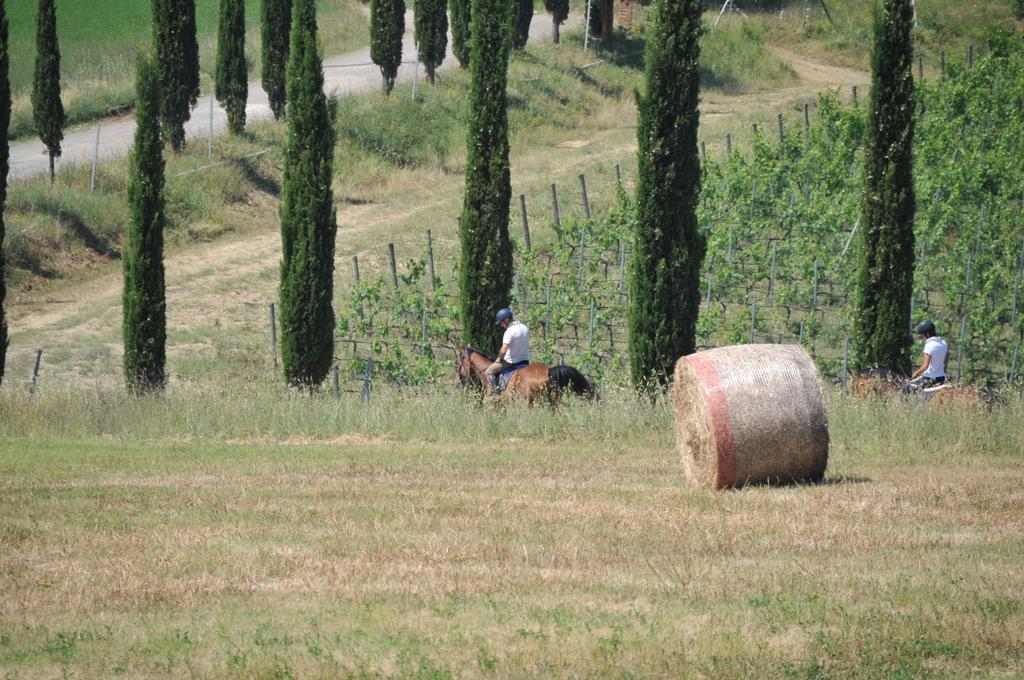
pixel 926 328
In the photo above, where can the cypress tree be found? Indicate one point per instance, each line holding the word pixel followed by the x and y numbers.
pixel 5 120
pixel 308 220
pixel 559 10
pixel 606 14
pixel 885 275
pixel 461 12
pixel 668 246
pixel 47 109
pixel 431 33
pixel 485 272
pixel 521 23
pixel 387 26
pixel 277 22
pixel 232 87
pixel 177 58
pixel 144 304
pixel 1018 9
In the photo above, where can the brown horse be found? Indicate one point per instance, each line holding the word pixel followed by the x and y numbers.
pixel 882 382
pixel 877 382
pixel 530 382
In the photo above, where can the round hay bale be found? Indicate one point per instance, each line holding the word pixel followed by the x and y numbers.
pixel 750 414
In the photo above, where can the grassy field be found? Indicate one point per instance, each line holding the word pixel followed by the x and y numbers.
pixel 950 25
pixel 99 38
pixel 256 533
pixel 232 528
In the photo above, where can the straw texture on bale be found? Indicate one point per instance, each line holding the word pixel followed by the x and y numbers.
pixel 750 414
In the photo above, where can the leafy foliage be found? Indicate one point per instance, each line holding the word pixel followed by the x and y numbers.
pixel 47 108
pixel 232 87
pixel 559 10
pixel 885 277
pixel 177 58
pixel 387 25
pixel 485 277
pixel 308 220
pixel 778 221
pixel 276 19
pixel 668 249
pixel 521 23
pixel 144 302
pixel 431 33
pixel 5 119
pixel 461 16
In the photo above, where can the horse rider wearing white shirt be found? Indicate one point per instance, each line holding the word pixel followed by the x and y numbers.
pixel 515 346
pixel 936 358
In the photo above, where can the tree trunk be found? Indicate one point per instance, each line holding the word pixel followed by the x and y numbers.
pixel 607 19
pixel 430 74
pixel 52 176
pixel 555 34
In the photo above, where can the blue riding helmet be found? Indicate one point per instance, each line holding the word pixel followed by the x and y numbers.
pixel 503 314
pixel 925 328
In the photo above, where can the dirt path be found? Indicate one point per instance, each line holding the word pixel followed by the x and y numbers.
pixel 344 74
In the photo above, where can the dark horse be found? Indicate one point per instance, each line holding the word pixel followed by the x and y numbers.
pixel 530 382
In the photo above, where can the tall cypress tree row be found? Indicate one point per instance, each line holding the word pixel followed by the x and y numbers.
pixel 668 246
pixel 387 26
pixel 232 87
pixel 461 14
pixel 177 58
pixel 521 23
pixel 144 305
pixel 431 33
pixel 47 109
pixel 5 121
pixel 885 276
pixel 559 10
pixel 308 220
pixel 485 271
pixel 277 23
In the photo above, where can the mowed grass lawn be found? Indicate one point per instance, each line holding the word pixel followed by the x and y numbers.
pixel 257 534
pixel 99 39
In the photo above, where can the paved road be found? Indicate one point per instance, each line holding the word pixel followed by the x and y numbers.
pixel 345 74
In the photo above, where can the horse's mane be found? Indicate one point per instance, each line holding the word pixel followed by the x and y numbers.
pixel 488 355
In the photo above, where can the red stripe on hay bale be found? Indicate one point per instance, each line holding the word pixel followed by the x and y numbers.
pixel 750 414
pixel 721 423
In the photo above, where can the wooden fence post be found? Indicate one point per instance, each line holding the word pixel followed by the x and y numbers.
pixel 547 304
pixel 430 259
pixel 781 138
pixel 807 117
pixel 273 335
pixel 583 194
pixel 35 372
pixel 526 222
pixel 846 361
pixel 942 65
pixel 554 205
pixel 728 145
pixel 855 95
pixel 753 319
pixel 95 162
pixel 394 265
pixel 365 396
pixel 335 382
pixel 960 349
